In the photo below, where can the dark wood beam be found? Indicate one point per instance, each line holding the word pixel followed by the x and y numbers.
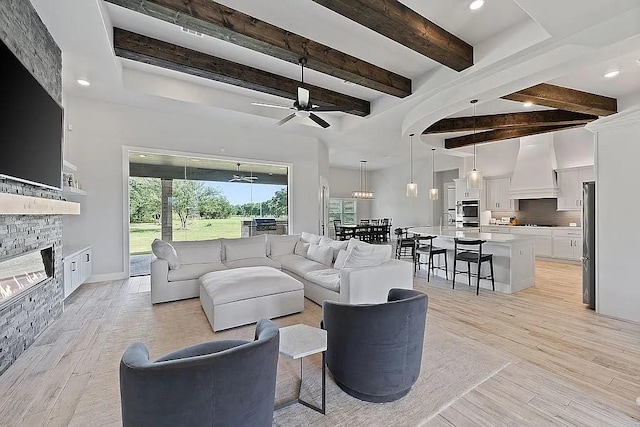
pixel 510 120
pixel 155 52
pixel 221 22
pixel 396 21
pixel 502 134
pixel 566 99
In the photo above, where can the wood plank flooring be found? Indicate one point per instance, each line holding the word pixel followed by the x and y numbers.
pixel 571 367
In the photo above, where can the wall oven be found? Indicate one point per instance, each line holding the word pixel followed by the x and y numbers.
pixel 469 213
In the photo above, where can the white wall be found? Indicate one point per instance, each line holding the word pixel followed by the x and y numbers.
pixel 100 130
pixel 617 154
pixel 574 148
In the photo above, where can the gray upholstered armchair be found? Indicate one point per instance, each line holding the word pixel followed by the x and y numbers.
pixel 374 351
pixel 219 383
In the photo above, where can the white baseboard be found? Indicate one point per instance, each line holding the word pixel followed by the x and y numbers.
pixel 106 277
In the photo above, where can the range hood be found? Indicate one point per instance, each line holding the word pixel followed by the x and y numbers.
pixel 534 176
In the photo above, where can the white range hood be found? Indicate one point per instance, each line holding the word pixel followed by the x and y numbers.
pixel 534 176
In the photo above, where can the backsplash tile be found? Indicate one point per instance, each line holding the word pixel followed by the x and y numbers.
pixel 541 212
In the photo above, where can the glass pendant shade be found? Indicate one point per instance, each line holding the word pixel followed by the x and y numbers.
pixel 412 189
pixel 434 194
pixel 474 180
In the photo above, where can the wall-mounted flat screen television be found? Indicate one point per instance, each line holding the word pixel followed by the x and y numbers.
pixel 31 127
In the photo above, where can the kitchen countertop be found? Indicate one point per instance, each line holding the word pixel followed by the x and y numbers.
pixel 451 233
pixel 534 226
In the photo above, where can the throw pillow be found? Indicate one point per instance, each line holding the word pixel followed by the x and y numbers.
pixel 282 245
pixel 361 256
pixel 301 248
pixel 339 263
pixel 310 238
pixel 336 245
pixel 321 254
pixel 385 248
pixel 164 250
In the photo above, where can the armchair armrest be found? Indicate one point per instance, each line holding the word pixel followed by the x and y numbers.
pixel 369 285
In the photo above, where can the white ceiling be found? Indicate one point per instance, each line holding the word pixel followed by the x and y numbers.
pixel 83 29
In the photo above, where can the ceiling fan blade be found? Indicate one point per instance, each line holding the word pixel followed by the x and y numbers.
pixel 303 97
pixel 285 120
pixel 319 121
pixel 282 107
pixel 328 109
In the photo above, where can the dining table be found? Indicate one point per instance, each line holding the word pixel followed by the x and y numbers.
pixel 374 232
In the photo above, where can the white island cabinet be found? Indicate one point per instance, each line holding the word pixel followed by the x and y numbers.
pixel 513 257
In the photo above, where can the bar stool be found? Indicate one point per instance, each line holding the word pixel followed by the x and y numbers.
pixel 471 251
pixel 429 251
pixel 405 245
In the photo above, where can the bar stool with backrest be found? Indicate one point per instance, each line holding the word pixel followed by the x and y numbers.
pixel 405 244
pixel 424 246
pixel 470 251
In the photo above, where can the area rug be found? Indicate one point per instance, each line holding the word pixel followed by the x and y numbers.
pixel 451 366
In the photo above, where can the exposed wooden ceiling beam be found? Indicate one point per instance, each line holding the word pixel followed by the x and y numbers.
pixel 502 134
pixel 510 120
pixel 219 21
pixel 145 49
pixel 566 99
pixel 396 21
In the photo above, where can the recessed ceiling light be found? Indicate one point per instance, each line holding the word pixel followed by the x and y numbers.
pixel 142 155
pixel 476 4
pixel 527 104
pixel 83 82
pixel 611 74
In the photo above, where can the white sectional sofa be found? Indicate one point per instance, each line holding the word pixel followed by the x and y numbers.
pixel 328 269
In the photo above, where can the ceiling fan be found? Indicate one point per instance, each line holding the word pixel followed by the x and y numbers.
pixel 242 178
pixel 303 107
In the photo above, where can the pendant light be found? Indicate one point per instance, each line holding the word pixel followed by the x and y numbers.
pixel 474 177
pixel 412 187
pixel 433 193
pixel 364 192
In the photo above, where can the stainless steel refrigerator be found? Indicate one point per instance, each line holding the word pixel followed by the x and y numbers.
pixel 589 244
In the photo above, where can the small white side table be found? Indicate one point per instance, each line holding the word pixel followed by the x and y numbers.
pixel 298 341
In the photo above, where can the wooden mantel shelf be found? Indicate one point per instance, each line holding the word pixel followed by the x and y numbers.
pixel 16 204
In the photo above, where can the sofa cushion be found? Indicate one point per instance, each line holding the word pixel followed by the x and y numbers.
pixel 194 271
pixel 298 264
pixel 165 250
pixel 336 245
pixel 382 248
pixel 328 279
pixel 253 262
pixel 247 247
pixel 301 248
pixel 281 245
pixel 361 256
pixel 244 283
pixel 339 263
pixel 199 252
pixel 310 238
pixel 321 254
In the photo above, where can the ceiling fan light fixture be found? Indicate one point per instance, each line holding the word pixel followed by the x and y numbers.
pixel 476 4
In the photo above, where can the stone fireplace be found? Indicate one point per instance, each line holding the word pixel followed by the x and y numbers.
pixel 26 314
pixel 24 273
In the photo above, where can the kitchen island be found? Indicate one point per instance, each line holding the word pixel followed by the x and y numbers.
pixel 513 257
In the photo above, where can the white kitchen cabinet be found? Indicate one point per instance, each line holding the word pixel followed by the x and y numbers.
pixel 543 242
pixel 77 266
pixel 497 195
pixel 570 183
pixel 463 193
pixel 567 244
pixel 500 229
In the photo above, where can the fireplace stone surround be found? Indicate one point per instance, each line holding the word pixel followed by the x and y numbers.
pixel 31 313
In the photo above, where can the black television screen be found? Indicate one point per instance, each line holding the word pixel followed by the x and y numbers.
pixel 30 126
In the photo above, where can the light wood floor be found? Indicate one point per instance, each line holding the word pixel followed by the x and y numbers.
pixel 571 367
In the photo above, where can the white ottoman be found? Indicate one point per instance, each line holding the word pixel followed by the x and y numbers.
pixel 240 296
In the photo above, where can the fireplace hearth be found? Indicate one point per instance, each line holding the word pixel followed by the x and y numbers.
pixel 24 272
